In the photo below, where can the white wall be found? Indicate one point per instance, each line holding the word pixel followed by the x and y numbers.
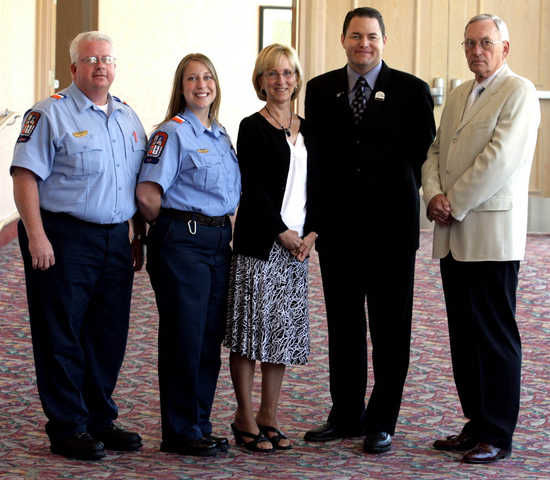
pixel 152 37
pixel 17 47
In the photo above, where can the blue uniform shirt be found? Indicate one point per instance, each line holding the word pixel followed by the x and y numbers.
pixel 197 168
pixel 86 162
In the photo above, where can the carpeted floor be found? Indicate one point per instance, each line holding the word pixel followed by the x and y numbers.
pixel 430 407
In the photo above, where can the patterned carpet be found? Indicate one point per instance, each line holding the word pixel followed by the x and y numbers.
pixel 430 407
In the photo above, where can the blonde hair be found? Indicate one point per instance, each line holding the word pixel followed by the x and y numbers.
pixel 267 59
pixel 177 100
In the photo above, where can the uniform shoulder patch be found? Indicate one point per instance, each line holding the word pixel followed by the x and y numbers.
pixel 58 96
pixel 156 146
pixel 178 118
pixel 28 127
pixel 117 99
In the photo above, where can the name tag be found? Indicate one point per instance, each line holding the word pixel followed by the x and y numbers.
pixel 202 150
pixel 83 133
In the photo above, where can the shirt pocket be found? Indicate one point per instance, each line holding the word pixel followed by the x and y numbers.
pixel 206 170
pixel 136 154
pixel 79 156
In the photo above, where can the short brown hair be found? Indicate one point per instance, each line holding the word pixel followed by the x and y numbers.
pixel 364 12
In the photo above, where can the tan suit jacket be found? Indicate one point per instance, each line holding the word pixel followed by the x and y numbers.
pixel 481 160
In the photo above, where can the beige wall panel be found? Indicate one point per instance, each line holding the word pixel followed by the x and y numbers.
pixel 312 24
pixel 17 49
pixel 152 37
pixel 524 22
pixel 535 180
pixel 400 18
pixel 335 57
pixel 460 11
pixel 544 59
pixel 529 27
pixel 431 30
pixel 45 48
pixel 433 44
pixel 540 173
pixel 17 85
pixel 311 43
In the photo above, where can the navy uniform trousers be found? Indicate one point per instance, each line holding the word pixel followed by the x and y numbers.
pixel 485 345
pixel 79 314
pixel 188 264
pixel 386 281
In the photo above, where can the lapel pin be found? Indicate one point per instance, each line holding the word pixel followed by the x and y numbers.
pixel 379 96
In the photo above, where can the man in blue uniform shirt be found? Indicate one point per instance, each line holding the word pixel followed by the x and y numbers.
pixel 74 173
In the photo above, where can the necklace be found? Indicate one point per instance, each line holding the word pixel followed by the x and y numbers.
pixel 286 130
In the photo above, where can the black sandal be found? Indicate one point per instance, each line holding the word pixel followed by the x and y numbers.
pixel 252 445
pixel 274 439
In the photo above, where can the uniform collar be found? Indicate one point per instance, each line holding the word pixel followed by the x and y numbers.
pixel 198 127
pixel 83 102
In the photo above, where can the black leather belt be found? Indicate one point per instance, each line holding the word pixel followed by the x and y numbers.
pixel 197 217
pixel 67 216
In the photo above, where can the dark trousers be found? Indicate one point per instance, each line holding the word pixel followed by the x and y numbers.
pixel 79 312
pixel 189 273
pixel 485 345
pixel 386 281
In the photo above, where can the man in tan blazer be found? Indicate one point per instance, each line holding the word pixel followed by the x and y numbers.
pixel 475 184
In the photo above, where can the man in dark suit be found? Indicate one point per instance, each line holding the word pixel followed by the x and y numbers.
pixel 372 128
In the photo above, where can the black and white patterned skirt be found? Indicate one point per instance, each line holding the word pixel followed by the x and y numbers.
pixel 268 316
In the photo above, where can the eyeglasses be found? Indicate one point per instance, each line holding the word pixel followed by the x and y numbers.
pixel 107 59
pixel 274 74
pixel 485 43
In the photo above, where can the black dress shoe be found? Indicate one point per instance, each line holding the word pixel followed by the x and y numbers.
pixel 456 443
pixel 377 442
pixel 328 432
pixel 222 444
pixel 485 453
pixel 81 446
pixel 200 447
pixel 115 438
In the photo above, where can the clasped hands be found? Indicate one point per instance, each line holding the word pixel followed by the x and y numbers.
pixel 439 210
pixel 299 247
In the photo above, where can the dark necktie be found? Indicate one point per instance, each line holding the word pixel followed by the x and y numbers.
pixel 359 102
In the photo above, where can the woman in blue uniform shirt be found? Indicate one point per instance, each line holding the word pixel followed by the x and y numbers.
pixel 188 185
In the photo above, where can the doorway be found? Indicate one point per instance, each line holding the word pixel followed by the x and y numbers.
pixel 57 23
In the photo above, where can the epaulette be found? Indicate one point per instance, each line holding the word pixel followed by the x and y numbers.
pixel 178 118
pixel 119 100
pixel 223 129
pixel 58 96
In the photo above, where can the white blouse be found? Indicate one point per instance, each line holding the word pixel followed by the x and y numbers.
pixel 293 209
